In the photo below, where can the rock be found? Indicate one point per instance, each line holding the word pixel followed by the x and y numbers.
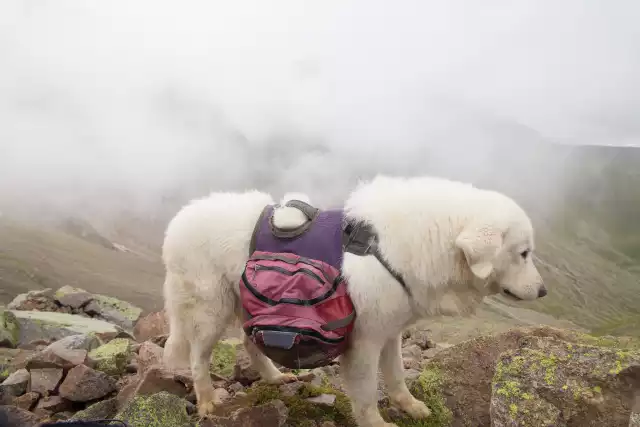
pixel 73 297
pixel 323 399
pixel 14 416
pixel 243 370
pixel 157 379
pixel 27 401
pixel 463 372
pixel 57 358
pixel 53 404
pixel 272 414
pixel 45 381
pixel 104 409
pixel 236 387
pixel 86 342
pixel 12 359
pixel 554 382
pixel 112 358
pixel 113 310
pixel 54 326
pixel 9 329
pixel 83 384
pixel 151 326
pixel 34 300
pixel 17 383
pixel 149 354
pixel 64 353
pixel 159 409
pixel 291 389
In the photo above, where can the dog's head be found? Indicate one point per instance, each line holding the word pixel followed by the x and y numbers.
pixel 498 250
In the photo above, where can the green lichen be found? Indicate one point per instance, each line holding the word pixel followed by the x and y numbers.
pixel 129 311
pixel 9 329
pixel 112 357
pixel 513 410
pixel 223 358
pixel 157 410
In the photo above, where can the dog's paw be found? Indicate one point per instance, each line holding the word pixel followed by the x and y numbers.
pixel 416 409
pixel 206 408
pixel 283 378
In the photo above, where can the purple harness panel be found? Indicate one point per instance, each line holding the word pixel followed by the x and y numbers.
pixel 322 241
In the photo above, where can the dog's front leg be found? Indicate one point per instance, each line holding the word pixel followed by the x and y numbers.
pixel 393 374
pixel 359 368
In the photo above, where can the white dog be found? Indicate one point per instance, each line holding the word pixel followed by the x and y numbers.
pixel 452 243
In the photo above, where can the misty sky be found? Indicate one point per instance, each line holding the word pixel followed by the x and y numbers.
pixel 150 96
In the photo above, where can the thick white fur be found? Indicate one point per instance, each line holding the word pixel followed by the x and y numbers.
pixel 452 243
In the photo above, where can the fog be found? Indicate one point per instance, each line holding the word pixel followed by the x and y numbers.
pixel 122 105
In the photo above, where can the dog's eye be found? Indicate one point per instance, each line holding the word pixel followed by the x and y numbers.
pixel 524 254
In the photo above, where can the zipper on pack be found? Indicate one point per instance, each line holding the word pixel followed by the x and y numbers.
pixel 290 273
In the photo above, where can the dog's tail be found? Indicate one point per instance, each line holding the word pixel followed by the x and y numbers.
pixel 177 349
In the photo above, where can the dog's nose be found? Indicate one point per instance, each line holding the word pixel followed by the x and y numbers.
pixel 542 292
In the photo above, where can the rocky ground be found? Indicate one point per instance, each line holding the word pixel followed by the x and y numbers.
pixel 71 354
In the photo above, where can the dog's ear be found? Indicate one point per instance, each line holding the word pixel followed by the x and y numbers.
pixel 480 244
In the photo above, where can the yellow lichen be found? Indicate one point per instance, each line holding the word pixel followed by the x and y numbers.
pixel 513 410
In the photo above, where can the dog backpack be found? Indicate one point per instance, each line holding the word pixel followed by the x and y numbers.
pixel 295 303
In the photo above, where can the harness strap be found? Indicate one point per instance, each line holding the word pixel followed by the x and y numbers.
pixel 360 239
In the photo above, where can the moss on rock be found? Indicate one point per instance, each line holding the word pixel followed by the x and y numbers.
pixel 552 382
pixel 9 329
pixel 157 410
pixel 223 358
pixel 303 413
pixel 127 310
pixel 112 357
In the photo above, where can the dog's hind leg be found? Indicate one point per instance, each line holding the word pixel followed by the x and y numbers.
pixel 359 368
pixel 393 373
pixel 208 319
pixel 177 348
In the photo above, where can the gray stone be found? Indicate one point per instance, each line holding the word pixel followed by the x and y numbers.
pixel 54 326
pixel 45 381
pixel 323 399
pixel 14 416
pixel 17 383
pixel 84 384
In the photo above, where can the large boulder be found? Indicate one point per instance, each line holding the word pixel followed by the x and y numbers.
pixel 50 326
pixel 465 371
pixel 554 382
pixel 104 307
pixel 9 329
